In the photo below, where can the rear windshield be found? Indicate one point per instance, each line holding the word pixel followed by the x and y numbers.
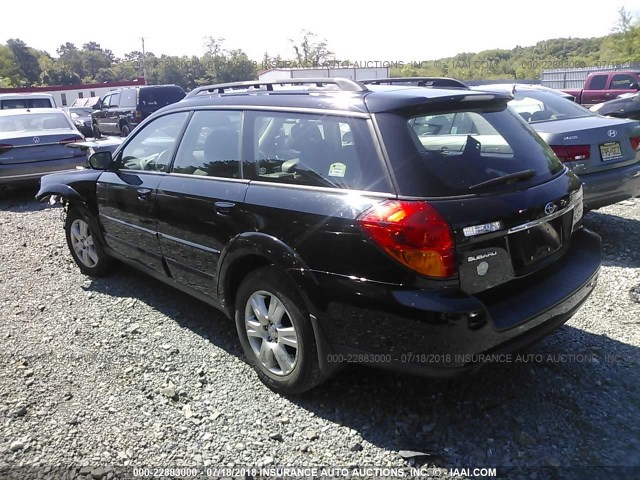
pixel 40 121
pixel 450 153
pixel 538 106
pixel 156 98
pixel 26 103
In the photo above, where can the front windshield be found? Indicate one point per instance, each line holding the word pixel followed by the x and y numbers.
pixel 537 106
pixel 82 112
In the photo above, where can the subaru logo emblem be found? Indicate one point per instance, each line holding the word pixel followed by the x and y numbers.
pixel 612 133
pixel 549 208
pixel 36 139
pixel 482 268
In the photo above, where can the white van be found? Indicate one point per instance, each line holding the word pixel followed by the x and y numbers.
pixel 26 100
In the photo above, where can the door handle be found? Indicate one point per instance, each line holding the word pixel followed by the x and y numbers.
pixel 143 193
pixel 223 208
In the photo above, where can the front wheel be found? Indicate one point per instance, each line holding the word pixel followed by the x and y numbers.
pixel 85 248
pixel 276 333
pixel 125 130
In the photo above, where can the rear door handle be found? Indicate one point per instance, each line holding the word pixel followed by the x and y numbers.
pixel 143 193
pixel 224 208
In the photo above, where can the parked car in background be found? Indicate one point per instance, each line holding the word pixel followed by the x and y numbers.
pixel 338 222
pixel 26 100
pixel 81 118
pixel 33 143
pixel 602 86
pixel 603 152
pixel 122 109
pixel 625 106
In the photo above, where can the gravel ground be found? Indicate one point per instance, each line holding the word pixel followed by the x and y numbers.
pixel 126 372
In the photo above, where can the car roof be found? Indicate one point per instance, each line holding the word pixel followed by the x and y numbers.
pixel 369 98
pixel 28 111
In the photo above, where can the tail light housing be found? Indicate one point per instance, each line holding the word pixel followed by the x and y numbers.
pixel 70 140
pixel 414 234
pixel 635 143
pixel 5 148
pixel 137 115
pixel 572 153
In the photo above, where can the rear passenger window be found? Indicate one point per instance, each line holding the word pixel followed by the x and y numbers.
pixel 128 98
pixel 211 145
pixel 314 150
pixel 598 82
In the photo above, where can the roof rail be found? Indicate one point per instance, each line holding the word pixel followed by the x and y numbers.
pixel 434 82
pixel 345 84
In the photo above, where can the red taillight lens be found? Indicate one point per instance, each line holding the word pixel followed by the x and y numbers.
pixel 413 233
pixel 5 148
pixel 571 153
pixel 70 140
pixel 635 143
pixel 138 115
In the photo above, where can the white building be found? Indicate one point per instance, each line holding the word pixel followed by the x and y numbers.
pixel 65 95
pixel 341 72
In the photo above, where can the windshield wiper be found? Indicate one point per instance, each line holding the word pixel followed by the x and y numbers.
pixel 512 177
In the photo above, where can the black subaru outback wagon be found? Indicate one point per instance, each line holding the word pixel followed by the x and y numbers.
pixel 411 228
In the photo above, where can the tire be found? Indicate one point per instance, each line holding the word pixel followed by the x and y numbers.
pixel 125 130
pixel 96 131
pixel 85 248
pixel 283 323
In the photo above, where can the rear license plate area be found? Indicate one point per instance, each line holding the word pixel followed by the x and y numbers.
pixel 610 151
pixel 536 243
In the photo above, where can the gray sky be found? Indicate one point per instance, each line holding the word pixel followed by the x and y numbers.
pixel 358 31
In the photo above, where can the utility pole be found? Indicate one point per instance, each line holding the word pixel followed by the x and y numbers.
pixel 144 64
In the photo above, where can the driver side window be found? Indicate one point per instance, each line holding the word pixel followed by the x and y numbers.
pixel 152 148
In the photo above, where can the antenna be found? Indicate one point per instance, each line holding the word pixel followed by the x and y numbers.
pixel 144 64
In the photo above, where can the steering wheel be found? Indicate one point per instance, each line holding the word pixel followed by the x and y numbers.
pixel 158 163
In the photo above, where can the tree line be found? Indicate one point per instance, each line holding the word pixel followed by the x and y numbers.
pixel 21 65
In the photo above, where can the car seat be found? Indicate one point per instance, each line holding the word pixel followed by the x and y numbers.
pixel 221 153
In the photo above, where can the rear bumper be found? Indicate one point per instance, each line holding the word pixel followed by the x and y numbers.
pixel 611 186
pixel 31 172
pixel 440 333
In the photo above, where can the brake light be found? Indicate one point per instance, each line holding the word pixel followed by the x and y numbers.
pixel 571 153
pixel 70 140
pixel 635 143
pixel 138 115
pixel 5 148
pixel 414 234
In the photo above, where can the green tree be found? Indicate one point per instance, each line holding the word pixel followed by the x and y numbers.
pixel 310 50
pixel 26 59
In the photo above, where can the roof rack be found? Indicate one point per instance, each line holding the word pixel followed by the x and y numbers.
pixel 344 84
pixel 434 82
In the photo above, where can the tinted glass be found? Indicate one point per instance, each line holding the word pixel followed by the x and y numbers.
pixel 539 106
pixel 106 101
pixel 446 153
pixel 314 150
pixel 622 81
pixel 152 147
pixel 13 103
pixel 211 145
pixel 128 98
pixel 598 82
pixel 155 98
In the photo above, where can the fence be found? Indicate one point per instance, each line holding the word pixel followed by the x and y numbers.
pixel 575 77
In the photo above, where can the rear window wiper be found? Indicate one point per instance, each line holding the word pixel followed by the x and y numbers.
pixel 512 177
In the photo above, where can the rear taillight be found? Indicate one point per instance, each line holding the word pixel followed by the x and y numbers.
pixel 413 233
pixel 70 140
pixel 138 115
pixel 5 148
pixel 635 143
pixel 571 153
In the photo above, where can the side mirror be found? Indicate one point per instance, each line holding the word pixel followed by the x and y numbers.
pixel 101 161
pixel 634 86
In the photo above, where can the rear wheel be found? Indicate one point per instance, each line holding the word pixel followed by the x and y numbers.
pixel 96 131
pixel 85 247
pixel 276 333
pixel 125 130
